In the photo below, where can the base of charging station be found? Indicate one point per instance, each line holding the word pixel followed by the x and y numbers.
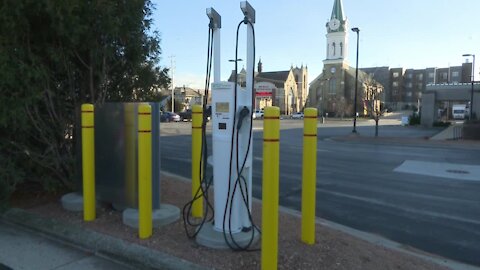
pixel 165 215
pixel 72 202
pixel 209 237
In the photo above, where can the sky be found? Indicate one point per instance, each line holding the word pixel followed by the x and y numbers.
pixel 407 33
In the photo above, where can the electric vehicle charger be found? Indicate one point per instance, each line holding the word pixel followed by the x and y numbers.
pixel 239 180
pixel 205 183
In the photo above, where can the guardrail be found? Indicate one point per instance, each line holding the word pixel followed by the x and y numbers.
pixel 457 132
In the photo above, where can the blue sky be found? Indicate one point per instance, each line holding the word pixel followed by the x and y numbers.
pixel 408 33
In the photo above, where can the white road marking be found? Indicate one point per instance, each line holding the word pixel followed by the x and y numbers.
pixel 406 209
pixel 441 169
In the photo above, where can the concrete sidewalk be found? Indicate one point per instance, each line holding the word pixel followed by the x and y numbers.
pixel 23 249
pixel 128 255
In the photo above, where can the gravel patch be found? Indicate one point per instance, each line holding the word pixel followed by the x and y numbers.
pixel 333 249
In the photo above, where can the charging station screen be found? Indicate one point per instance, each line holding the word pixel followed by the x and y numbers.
pixel 222 107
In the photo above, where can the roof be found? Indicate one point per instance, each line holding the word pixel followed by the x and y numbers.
pixel 240 76
pixel 187 91
pixel 277 77
pixel 337 11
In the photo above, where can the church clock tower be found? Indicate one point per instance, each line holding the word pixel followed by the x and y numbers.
pixel 337 36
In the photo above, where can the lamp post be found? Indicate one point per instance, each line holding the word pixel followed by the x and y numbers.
pixel 356 30
pixel 473 76
pixel 233 60
pixel 236 61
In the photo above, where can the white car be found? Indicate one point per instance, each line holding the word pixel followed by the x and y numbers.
pixel 258 114
pixel 297 115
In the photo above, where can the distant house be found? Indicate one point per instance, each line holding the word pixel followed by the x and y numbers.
pixel 187 97
pixel 286 89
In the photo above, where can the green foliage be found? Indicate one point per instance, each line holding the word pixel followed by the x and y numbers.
pixel 56 55
pixel 11 174
pixel 441 124
pixel 414 119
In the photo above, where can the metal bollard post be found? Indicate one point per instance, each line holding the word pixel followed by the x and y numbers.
pixel 197 119
pixel 145 171
pixel 270 182
pixel 88 162
pixel 309 171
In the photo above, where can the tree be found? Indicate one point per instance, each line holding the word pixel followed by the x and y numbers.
pixel 56 55
pixel 371 100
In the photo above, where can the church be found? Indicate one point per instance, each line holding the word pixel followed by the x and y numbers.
pixel 286 89
pixel 333 91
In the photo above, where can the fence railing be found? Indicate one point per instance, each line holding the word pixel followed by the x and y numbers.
pixel 457 132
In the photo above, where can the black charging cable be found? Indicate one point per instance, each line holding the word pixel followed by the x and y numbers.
pixel 206 182
pixel 239 179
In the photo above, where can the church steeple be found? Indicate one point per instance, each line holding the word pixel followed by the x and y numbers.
pixel 337 35
pixel 338 20
pixel 337 12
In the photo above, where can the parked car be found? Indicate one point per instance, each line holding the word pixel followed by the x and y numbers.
pixel 297 115
pixel 169 117
pixel 258 114
pixel 185 115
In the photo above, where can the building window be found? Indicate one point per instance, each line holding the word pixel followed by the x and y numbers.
pixel 419 76
pixel 332 89
pixel 419 85
pixel 333 45
pixel 409 85
pixel 409 94
pixel 396 74
pixel 455 74
pixel 395 84
pixel 444 76
pixel 410 75
pixel 431 75
pixel 341 48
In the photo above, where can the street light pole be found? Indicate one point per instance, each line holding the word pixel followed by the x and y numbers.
pixel 172 69
pixel 473 77
pixel 236 68
pixel 356 30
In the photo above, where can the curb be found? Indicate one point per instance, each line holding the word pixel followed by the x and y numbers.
pixel 366 236
pixel 119 250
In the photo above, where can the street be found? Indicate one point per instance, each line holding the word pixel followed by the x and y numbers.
pixel 420 195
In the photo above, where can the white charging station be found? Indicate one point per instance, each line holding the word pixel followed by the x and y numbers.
pixel 232 148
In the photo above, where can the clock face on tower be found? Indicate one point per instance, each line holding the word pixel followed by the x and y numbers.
pixel 334 24
pixel 332 69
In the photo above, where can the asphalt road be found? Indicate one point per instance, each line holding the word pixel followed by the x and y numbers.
pixel 358 187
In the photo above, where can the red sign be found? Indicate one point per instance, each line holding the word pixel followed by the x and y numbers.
pixel 263 94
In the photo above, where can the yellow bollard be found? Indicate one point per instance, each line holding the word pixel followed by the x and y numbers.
pixel 197 119
pixel 309 175
pixel 144 171
pixel 88 162
pixel 270 182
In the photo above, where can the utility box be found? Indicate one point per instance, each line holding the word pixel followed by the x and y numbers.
pixel 116 154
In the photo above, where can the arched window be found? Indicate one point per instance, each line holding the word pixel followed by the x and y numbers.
pixel 341 48
pixel 333 45
pixel 332 86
